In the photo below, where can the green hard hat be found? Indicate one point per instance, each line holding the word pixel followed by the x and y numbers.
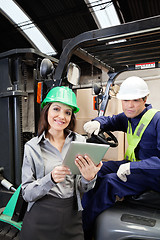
pixel 63 95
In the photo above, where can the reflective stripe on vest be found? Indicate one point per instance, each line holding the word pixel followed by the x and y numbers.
pixel 134 139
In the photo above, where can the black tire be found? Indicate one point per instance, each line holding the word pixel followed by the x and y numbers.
pixel 8 232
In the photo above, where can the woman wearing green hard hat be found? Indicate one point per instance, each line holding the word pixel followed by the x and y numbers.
pixel 51 190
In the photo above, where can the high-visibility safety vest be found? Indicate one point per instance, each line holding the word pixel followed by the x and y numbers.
pixel 134 139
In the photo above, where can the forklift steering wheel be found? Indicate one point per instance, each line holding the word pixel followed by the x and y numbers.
pixel 102 139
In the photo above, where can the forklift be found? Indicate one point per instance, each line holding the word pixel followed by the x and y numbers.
pixel 136 217
pixel 20 112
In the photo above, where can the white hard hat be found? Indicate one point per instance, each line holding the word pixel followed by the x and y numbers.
pixel 133 88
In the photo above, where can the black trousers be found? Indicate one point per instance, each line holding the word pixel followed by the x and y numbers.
pixel 53 219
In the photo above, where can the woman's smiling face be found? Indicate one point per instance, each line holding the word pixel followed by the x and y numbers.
pixel 59 116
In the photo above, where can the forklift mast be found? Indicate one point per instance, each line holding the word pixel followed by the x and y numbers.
pixel 19 76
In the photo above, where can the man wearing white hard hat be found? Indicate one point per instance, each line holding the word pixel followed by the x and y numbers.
pixel 140 170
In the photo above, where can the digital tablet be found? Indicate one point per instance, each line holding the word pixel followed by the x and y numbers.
pixel 95 151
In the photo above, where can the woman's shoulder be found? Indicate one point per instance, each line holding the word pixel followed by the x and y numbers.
pixel 33 141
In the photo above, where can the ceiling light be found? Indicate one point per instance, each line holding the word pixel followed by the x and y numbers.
pixel 104 12
pixel 25 24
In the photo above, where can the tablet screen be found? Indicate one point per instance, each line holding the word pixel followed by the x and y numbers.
pixel 95 151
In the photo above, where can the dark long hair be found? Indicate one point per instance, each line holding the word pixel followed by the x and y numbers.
pixel 43 121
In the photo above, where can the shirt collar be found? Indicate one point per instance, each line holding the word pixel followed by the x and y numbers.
pixel 42 136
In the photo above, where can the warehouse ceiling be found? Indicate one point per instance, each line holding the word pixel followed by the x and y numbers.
pixel 64 19
pixel 132 10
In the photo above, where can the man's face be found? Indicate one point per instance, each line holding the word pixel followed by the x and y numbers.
pixel 133 108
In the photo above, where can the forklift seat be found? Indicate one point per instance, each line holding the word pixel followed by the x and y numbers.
pixel 149 199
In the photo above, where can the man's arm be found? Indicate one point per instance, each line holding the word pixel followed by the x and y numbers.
pixel 117 122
